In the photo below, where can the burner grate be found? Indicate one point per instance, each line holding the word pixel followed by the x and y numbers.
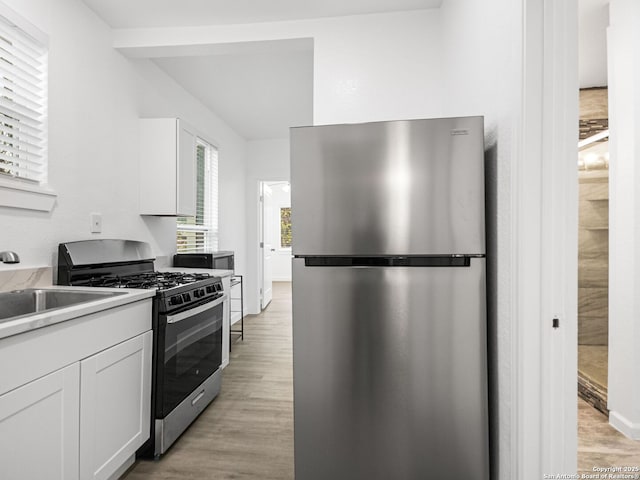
pixel 160 280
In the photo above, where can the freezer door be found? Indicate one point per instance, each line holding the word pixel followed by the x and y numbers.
pixel 390 372
pixel 389 188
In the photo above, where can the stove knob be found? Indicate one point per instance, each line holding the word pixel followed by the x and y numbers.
pixel 210 289
pixel 186 297
pixel 198 293
pixel 175 300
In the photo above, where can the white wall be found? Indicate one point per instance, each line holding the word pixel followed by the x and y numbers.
pixel 594 20
pixel 281 259
pixel 481 66
pixel 624 205
pixel 516 64
pixel 377 67
pixel 95 99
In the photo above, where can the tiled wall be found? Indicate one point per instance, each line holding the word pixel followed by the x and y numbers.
pixel 593 257
pixel 594 103
pixel 19 278
pixel 593 233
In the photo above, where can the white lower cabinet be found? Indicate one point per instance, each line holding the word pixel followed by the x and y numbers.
pixel 39 428
pixel 114 406
pixel 81 422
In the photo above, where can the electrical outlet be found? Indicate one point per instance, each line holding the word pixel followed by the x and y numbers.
pixel 96 222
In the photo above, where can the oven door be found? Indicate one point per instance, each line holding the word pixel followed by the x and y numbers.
pixel 189 351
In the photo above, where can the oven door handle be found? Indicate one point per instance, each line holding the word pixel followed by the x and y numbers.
pixel 194 311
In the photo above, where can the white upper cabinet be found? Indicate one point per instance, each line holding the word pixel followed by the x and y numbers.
pixel 167 167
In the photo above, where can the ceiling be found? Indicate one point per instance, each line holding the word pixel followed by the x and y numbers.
pixel 261 92
pixel 180 13
pixel 259 95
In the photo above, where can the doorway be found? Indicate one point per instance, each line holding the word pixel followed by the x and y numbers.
pixel 593 247
pixel 275 237
pixel 600 316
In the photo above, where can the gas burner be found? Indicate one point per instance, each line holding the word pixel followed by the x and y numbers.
pixel 189 277
pixel 113 282
pixel 146 283
pixel 159 280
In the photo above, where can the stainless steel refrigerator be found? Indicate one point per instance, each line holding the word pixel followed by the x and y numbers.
pixel 389 301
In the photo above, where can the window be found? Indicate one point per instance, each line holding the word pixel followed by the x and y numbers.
pixel 285 227
pixel 201 232
pixel 23 114
pixel 23 102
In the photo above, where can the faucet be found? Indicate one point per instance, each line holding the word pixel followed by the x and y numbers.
pixel 9 257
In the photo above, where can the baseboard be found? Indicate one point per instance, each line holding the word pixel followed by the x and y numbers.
pixel 235 318
pixel 624 426
pixel 281 279
pixel 593 393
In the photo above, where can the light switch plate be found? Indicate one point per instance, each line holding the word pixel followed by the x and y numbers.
pixel 96 222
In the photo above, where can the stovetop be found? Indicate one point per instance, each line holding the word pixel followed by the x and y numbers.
pixel 175 290
pixel 161 280
pixel 130 264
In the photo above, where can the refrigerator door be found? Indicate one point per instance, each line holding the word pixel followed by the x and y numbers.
pixel 390 372
pixel 411 187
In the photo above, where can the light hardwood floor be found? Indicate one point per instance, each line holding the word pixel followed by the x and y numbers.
pixel 601 445
pixel 247 432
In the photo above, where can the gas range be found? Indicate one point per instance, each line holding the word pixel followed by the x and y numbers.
pixel 188 316
pixel 128 264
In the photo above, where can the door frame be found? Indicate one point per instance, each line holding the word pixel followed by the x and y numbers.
pixel 544 226
pixel 260 243
pixel 261 184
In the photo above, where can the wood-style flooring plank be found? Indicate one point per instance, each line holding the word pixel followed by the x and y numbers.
pixel 601 445
pixel 247 432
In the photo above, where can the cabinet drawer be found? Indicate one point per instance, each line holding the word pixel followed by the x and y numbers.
pixel 65 343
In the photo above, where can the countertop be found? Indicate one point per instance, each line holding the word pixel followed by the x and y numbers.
pixel 51 317
pixel 210 271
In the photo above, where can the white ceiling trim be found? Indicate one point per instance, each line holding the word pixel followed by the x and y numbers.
pixel 182 13
pixel 170 41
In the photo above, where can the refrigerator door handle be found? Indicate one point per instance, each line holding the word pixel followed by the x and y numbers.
pixel 389 261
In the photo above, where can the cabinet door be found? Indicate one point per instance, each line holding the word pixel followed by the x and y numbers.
pixel 39 428
pixel 115 399
pixel 186 170
pixel 167 167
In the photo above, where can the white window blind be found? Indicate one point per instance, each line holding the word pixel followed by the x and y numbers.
pixel 23 104
pixel 201 232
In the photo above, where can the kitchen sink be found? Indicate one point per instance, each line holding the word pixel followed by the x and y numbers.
pixel 19 303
